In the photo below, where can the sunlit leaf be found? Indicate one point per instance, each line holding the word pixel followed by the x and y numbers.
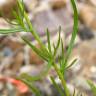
pixel 12 30
pixel 72 63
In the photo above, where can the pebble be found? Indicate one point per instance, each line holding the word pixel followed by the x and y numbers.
pixel 55 4
pixel 93 69
pixel 81 83
pixel 1 86
pixel 31 69
pixel 93 2
pixel 34 58
pixel 87 15
pixel 6 8
pixel 85 33
pixel 7 51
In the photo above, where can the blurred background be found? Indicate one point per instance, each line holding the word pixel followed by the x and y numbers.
pixel 17 58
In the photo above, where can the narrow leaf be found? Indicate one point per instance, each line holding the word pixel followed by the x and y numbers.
pixel 74 93
pixel 38 77
pixel 58 43
pixel 32 88
pixel 92 86
pixel 48 39
pixel 40 53
pixel 72 63
pixel 29 77
pixel 75 30
pixel 8 31
pixel 62 68
pixel 57 87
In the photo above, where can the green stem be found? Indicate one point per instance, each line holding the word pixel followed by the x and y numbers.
pixel 62 80
pixel 36 36
pixel 57 87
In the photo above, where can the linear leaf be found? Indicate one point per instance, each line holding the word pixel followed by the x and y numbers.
pixel 38 77
pixel 40 53
pixel 57 87
pixel 32 87
pixel 93 87
pixel 58 43
pixel 74 93
pixel 75 29
pixel 48 39
pixel 29 77
pixel 63 57
pixel 12 30
pixel 74 33
pixel 72 63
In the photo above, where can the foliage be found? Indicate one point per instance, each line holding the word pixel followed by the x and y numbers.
pixel 22 23
pixel 93 87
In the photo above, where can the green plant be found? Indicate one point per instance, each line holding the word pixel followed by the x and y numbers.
pixel 22 23
pixel 93 87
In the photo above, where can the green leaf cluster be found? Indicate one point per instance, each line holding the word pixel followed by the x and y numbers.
pixel 47 53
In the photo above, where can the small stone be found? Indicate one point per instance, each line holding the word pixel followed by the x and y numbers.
pixel 7 7
pixel 3 24
pixel 85 33
pixel 93 69
pixel 81 83
pixel 2 2
pixel 44 20
pixel 13 44
pixel 26 69
pixel 17 62
pixel 88 16
pixel 93 2
pixel 34 58
pixel 87 53
pixel 7 51
pixel 1 86
pixel 55 4
pixel 31 69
